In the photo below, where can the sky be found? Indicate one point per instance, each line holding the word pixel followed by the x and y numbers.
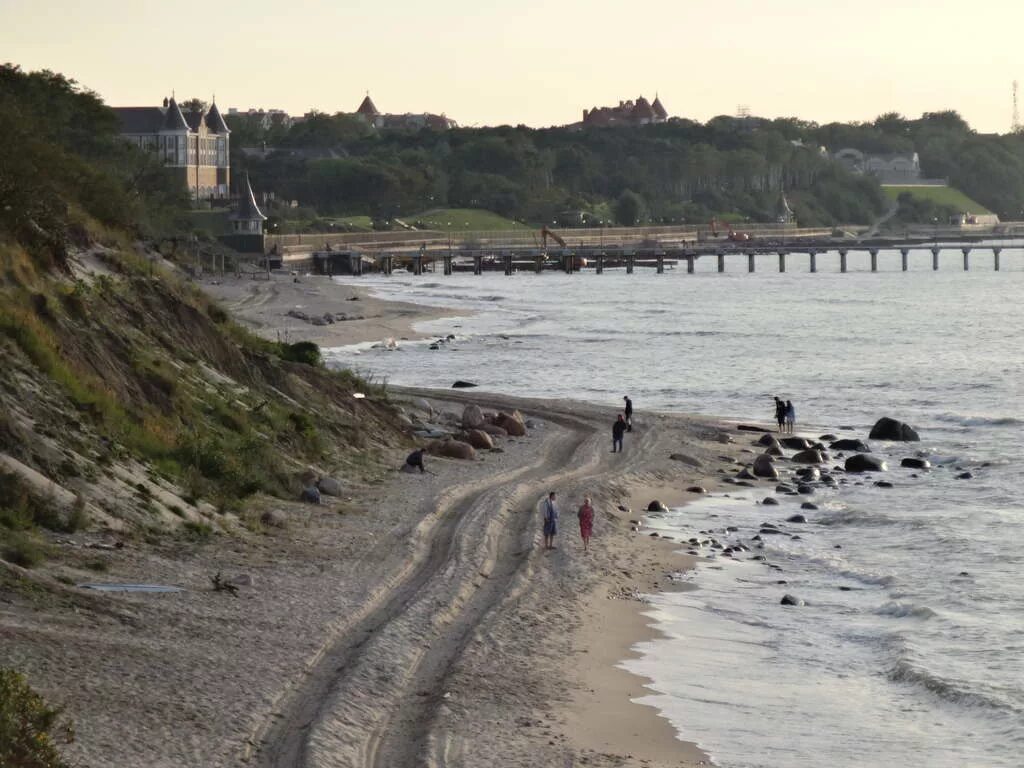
pixel 537 62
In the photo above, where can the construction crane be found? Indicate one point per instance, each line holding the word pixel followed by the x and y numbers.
pixel 545 233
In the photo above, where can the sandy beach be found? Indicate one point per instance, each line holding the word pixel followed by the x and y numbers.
pixel 293 308
pixel 413 620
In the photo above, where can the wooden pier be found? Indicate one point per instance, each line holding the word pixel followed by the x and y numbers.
pixel 596 259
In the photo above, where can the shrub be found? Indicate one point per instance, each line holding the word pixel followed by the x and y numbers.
pixel 24 550
pixel 25 725
pixel 302 352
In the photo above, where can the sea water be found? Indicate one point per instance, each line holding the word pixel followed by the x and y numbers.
pixel 909 647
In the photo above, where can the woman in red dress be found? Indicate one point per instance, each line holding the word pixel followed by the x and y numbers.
pixel 586 516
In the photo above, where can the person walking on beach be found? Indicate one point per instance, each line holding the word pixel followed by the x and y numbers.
pixel 618 430
pixel 586 516
pixel 629 413
pixel 550 521
pixel 780 414
pixel 790 416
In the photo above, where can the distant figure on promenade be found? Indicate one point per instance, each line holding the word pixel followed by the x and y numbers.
pixel 618 430
pixel 629 413
pixel 780 414
pixel 550 521
pixel 790 416
pixel 414 461
pixel 586 516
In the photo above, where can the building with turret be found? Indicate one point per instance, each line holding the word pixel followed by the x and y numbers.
pixel 639 112
pixel 368 113
pixel 194 142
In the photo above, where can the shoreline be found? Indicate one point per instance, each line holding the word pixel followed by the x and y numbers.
pixel 262 306
pixel 330 570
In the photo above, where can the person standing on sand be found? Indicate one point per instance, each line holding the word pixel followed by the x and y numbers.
pixel 586 516
pixel 780 414
pixel 790 416
pixel 550 521
pixel 629 413
pixel 618 430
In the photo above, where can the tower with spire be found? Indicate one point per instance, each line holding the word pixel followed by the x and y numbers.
pixel 194 141
pixel 247 218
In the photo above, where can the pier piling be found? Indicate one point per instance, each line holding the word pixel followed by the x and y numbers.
pixel 903 257
pixel 995 258
pixel 814 260
pixel 782 261
pixel 935 259
pixel 630 263
pixel 478 264
pixel 750 262
pixel 967 258
pixel 721 262
pixel 874 259
pixel 842 259
pixel 689 264
pixel 661 264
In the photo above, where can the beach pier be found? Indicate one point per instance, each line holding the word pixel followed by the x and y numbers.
pixel 904 253
pixel 750 262
pixel 447 264
pixel 842 259
pixel 630 263
pixel 721 261
pixel 935 259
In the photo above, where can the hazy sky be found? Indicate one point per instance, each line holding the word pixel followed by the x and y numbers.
pixel 535 62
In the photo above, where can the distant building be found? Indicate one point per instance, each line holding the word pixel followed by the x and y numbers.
pixel 247 218
pixel 368 113
pixel 639 112
pixel 265 118
pixel 195 143
pixel 894 168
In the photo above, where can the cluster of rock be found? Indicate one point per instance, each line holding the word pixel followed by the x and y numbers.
pixel 328 318
pixel 460 437
pixel 442 341
pixel 314 485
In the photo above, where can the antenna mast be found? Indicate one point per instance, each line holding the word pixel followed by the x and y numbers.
pixel 1015 126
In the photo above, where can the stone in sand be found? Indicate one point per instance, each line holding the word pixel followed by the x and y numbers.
pixel 766 440
pixel 965 476
pixel 479 439
pixel 891 429
pixel 452 449
pixel 864 462
pixel 796 519
pixel 770 501
pixel 809 456
pixel 493 430
pixel 472 417
pixel 273 518
pixel 329 486
pixel 764 466
pixel 796 443
pixel 656 506
pixel 808 505
pixel 697 489
pixel 512 423
pixel 689 460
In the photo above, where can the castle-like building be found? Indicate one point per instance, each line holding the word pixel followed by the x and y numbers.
pixel 194 142
pixel 368 113
pixel 639 112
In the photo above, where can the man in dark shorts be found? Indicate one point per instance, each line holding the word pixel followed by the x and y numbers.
pixel 618 430
pixel 550 521
pixel 629 413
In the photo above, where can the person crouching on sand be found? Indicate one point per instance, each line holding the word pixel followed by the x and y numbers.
pixel 550 521
pixel 586 516
pixel 618 430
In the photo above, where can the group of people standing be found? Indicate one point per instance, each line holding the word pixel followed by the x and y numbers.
pixel 585 515
pixel 785 415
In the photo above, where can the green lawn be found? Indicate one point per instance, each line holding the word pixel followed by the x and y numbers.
pixel 462 219
pixel 940 196
pixel 353 223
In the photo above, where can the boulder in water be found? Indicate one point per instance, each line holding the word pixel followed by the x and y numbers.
pixel 796 519
pixel 891 429
pixel 796 443
pixel 770 501
pixel 915 463
pixel 766 440
pixel 864 462
pixel 764 466
pixel 849 444
pixel 656 506
pixel 460 384
pixel 790 600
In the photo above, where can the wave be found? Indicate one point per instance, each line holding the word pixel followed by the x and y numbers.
pixel 906 611
pixel 903 671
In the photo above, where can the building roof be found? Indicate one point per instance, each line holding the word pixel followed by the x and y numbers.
pixel 140 119
pixel 247 209
pixel 643 109
pixel 659 108
pixel 173 119
pixel 215 121
pixel 368 108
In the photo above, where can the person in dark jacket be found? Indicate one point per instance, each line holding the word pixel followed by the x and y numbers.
pixel 618 430
pixel 414 461
pixel 629 413
pixel 780 414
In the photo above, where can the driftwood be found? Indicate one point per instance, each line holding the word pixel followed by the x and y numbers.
pixel 220 585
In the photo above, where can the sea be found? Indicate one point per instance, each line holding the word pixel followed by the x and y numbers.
pixel 908 646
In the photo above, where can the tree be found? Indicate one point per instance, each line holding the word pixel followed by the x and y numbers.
pixel 629 208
